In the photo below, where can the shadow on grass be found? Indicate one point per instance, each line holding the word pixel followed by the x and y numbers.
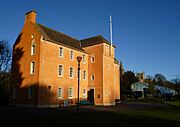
pixel 87 117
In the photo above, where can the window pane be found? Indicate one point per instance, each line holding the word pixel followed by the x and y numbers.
pixel 84 75
pixel 33 48
pixel 71 72
pixel 60 70
pixel 70 92
pixel 60 92
pixel 61 51
pixel 92 59
pixel 83 59
pixel 32 36
pixel 92 77
pixel 32 68
pixel 84 93
pixel 71 55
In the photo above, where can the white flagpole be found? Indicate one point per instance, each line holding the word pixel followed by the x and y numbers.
pixel 111 32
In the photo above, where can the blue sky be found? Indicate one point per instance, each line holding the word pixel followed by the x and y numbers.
pixel 146 32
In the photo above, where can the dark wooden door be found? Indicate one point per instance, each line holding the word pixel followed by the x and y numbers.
pixel 91 96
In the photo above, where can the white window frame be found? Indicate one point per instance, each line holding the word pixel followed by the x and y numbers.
pixel 32 67
pixel 14 93
pixel 33 48
pixel 61 52
pixel 72 92
pixel 92 56
pixel 59 92
pixel 84 93
pixel 70 72
pixel 84 58
pixel 32 36
pixel 62 70
pixel 92 77
pixel 30 92
pixel 84 75
pixel 71 55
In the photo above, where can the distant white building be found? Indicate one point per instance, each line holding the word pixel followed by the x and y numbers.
pixel 138 88
pixel 141 86
pixel 165 90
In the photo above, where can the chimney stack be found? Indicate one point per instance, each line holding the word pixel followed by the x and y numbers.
pixel 30 16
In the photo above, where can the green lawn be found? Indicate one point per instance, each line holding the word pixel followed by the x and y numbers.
pixel 169 117
pixel 161 115
pixel 174 103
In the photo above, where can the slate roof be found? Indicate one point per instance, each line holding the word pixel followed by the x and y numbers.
pixel 58 37
pixel 93 41
pixel 63 39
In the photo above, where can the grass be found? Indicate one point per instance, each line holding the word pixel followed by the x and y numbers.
pixel 174 103
pixel 169 117
pixel 161 115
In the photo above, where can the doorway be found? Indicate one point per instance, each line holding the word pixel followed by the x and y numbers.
pixel 91 96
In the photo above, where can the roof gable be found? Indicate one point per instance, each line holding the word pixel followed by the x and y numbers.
pixel 94 40
pixel 58 37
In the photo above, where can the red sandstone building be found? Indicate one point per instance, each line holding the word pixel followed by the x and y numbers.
pixel 44 68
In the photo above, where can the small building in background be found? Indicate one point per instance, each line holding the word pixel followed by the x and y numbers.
pixel 139 89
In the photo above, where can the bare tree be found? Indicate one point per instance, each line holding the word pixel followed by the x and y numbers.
pixel 5 58
pixel 5 62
